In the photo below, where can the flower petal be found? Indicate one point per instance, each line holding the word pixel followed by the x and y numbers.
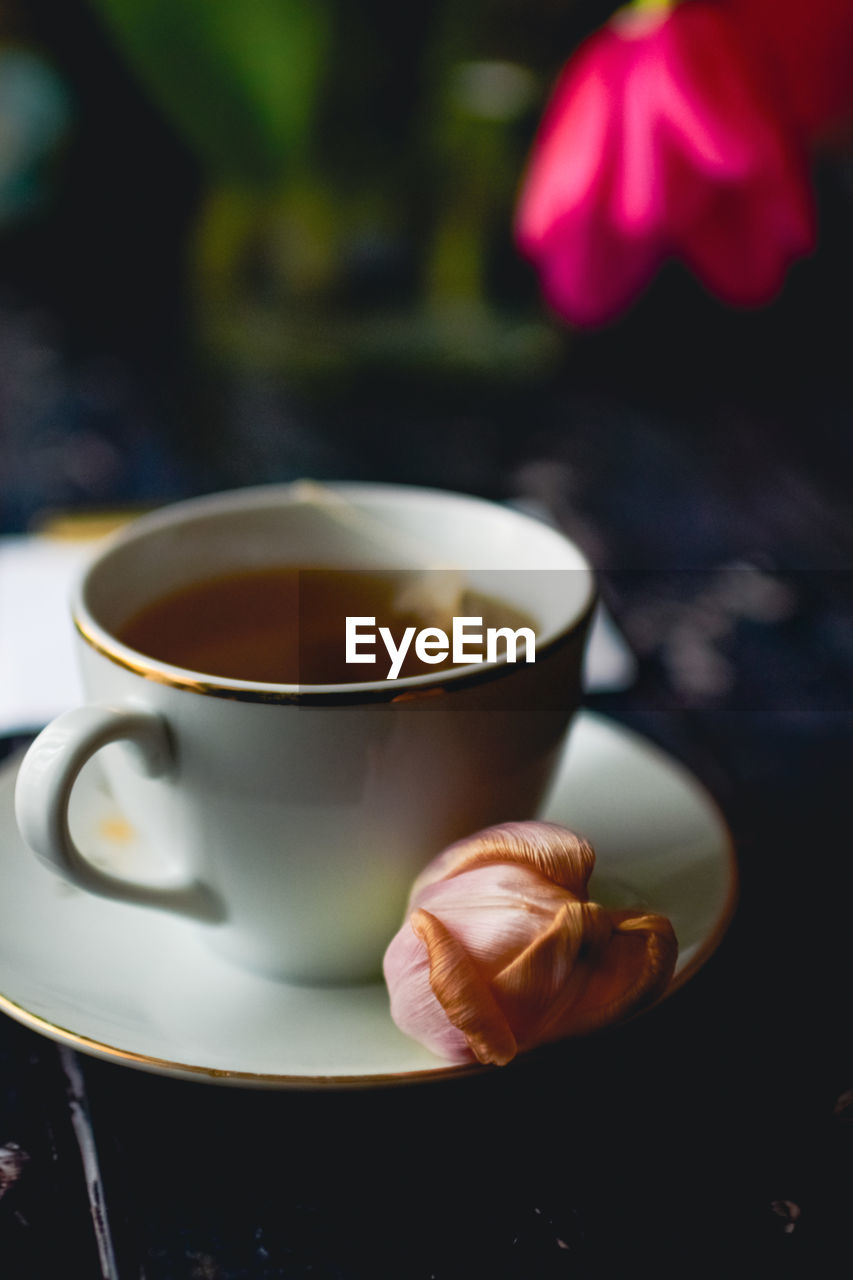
pixel 494 911
pixel 741 249
pixel 462 993
pixel 414 1006
pixel 631 972
pixel 552 851
pixel 549 969
pixel 589 268
pixel 809 51
pixel 572 142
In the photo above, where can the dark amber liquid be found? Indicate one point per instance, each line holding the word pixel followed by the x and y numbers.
pixel 287 625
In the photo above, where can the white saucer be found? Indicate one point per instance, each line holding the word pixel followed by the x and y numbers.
pixel 140 988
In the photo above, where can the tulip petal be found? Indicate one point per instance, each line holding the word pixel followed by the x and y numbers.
pixel 552 851
pixel 743 240
pixel 494 911
pixel 631 972
pixel 414 1006
pixel 639 195
pixel 809 49
pixel 462 993
pixel 590 272
pixel 571 143
pixel 548 969
pixel 589 268
pixel 720 131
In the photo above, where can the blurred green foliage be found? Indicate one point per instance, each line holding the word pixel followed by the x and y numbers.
pixel 362 159
pixel 240 81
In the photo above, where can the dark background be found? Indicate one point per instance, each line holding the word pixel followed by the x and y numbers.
pixel 96 347
pixel 679 445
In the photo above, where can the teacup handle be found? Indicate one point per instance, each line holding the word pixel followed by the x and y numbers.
pixel 43 790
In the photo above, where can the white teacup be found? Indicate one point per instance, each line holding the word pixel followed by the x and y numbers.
pixel 298 815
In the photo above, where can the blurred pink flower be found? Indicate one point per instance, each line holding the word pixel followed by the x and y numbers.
pixel 662 140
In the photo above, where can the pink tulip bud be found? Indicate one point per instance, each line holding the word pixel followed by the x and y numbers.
pixel 502 949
